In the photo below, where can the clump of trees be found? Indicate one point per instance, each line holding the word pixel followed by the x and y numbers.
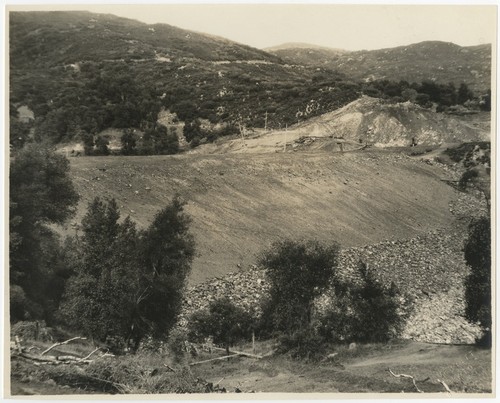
pixel 364 310
pixel 427 93
pixel 358 308
pixel 112 281
pixel 298 273
pixel 127 284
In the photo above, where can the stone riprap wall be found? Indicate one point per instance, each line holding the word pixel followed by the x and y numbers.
pixel 428 270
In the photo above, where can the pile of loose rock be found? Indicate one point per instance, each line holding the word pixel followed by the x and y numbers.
pixel 428 270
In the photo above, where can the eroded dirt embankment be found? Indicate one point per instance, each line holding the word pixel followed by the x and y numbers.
pixel 241 204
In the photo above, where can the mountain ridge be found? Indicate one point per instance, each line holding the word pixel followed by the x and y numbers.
pixel 432 60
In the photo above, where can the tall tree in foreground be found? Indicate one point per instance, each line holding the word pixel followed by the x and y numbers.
pixel 41 193
pixel 477 253
pixel 128 284
pixel 167 251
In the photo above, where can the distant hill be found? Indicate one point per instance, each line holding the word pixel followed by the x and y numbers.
pixel 303 45
pixel 71 37
pixel 431 60
pixel 81 73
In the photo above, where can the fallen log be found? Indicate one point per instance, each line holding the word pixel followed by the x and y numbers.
pixel 406 376
pixel 214 359
pixel 62 343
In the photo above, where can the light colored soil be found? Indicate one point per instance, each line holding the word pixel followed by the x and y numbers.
pixel 462 368
pixel 242 203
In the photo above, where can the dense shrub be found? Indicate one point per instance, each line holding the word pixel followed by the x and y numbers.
pixel 304 343
pixel 298 272
pixel 365 312
pixel 176 346
pixel 477 253
pixel 224 321
pixel 466 177
pixel 34 330
pixel 143 373
pixel 41 194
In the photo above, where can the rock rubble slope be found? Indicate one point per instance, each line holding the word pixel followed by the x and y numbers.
pixel 429 270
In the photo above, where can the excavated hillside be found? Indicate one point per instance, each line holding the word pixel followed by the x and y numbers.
pixel 366 121
pixel 370 120
pixel 240 205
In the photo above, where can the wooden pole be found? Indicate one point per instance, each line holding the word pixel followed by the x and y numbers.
pixel 253 342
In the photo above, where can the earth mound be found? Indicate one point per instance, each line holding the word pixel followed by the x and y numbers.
pixel 375 122
pixel 365 122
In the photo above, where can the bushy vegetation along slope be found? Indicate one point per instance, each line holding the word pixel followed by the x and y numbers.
pixel 81 73
pixel 440 61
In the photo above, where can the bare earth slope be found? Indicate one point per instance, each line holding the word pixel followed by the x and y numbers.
pixel 366 121
pixel 392 124
pixel 240 204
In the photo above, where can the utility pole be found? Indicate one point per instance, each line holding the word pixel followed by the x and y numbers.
pixel 265 123
pixel 284 145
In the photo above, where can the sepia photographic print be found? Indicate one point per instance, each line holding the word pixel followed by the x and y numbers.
pixel 258 200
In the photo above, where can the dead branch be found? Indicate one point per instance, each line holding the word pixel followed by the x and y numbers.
pixel 242 353
pixel 61 343
pixel 37 358
pixel 445 386
pixel 91 354
pixel 406 376
pixel 214 359
pixel 169 367
pixel 18 345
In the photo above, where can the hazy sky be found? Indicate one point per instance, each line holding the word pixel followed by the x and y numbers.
pixel 351 27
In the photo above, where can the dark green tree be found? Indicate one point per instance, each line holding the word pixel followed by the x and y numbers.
pixel 167 250
pixel 363 310
pixel 464 94
pixel 41 193
pixel 88 142
pixel 298 272
pixel 165 142
pixel 485 103
pixel 102 145
pixel 477 253
pixel 224 321
pixel 129 142
pixel 128 284
pixel 192 130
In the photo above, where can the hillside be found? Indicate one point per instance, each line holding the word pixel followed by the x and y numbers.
pixel 383 124
pixel 432 60
pixel 80 73
pixel 364 122
pixel 75 35
pixel 84 72
pixel 240 205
